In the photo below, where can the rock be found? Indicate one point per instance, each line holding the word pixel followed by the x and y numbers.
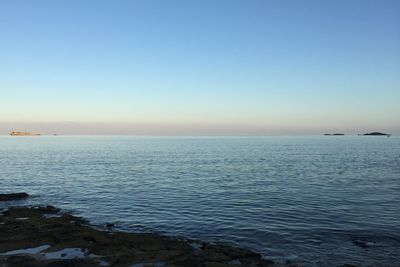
pixel 48 209
pixel 13 196
pixel 72 263
pixel 30 212
pixel 22 261
pixel 234 262
pixel 112 248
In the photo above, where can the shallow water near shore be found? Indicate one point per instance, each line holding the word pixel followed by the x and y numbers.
pixel 321 201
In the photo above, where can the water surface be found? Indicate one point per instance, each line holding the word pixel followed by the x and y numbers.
pixel 318 201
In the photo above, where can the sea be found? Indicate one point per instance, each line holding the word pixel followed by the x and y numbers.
pixel 308 201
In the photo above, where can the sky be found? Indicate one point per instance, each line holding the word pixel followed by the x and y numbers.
pixel 202 67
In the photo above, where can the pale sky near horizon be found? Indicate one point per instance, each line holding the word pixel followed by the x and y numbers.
pixel 200 67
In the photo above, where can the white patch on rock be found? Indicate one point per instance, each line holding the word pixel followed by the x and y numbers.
pixel 52 216
pixel 98 259
pixel 22 219
pixel 35 250
pixel 103 263
pixel 65 254
pixel 142 264
pixel 196 246
pixel 234 262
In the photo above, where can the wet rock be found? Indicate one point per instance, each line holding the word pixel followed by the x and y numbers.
pixel 30 212
pixel 22 261
pixel 269 262
pixel 13 196
pixel 234 262
pixel 110 226
pixel 57 235
pixel 71 263
pixel 216 264
pixel 48 209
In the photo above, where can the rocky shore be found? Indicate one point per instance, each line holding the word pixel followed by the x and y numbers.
pixel 13 196
pixel 46 236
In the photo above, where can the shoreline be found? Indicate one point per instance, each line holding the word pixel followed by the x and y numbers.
pixel 39 236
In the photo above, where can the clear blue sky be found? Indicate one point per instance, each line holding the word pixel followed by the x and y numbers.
pixel 229 67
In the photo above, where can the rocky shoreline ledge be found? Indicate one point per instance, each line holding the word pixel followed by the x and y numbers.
pixel 45 236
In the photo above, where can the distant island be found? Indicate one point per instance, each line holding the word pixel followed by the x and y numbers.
pixel 15 133
pixel 377 134
pixel 366 134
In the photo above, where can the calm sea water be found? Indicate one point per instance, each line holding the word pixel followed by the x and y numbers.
pixel 317 201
